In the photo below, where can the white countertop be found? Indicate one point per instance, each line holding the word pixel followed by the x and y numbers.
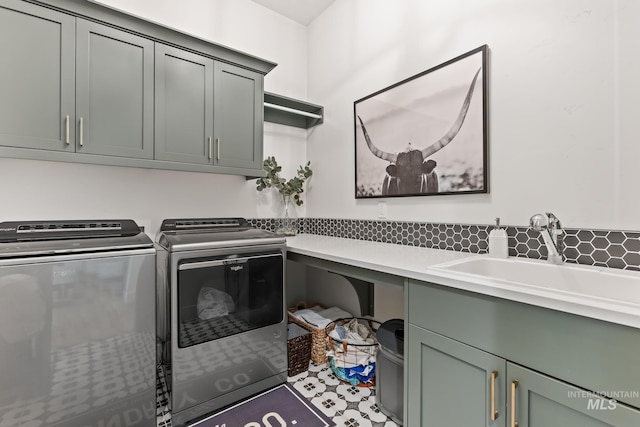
pixel 416 263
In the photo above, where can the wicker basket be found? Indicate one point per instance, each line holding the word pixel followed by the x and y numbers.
pixel 318 336
pixel 298 349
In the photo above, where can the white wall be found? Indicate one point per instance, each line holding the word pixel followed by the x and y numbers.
pixel 562 95
pixel 50 190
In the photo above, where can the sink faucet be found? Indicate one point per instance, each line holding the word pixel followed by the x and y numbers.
pixel 549 226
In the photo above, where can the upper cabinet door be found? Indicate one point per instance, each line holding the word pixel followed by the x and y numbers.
pixel 238 117
pixel 114 93
pixel 183 106
pixel 37 76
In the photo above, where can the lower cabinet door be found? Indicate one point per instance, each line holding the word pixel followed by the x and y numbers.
pixel 537 400
pixel 452 384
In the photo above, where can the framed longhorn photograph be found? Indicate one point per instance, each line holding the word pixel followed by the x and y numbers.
pixel 426 135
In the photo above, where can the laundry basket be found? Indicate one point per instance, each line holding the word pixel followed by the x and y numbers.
pixel 351 349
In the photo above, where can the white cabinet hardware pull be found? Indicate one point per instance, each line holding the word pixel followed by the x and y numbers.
pixel 494 413
pixel 514 386
pixel 81 132
pixel 210 148
pixel 66 130
pixel 218 149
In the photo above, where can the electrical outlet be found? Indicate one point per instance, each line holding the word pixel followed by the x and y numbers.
pixel 382 210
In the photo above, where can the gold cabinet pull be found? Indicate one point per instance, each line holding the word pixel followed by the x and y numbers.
pixel 210 148
pixel 494 413
pixel 66 130
pixel 514 386
pixel 81 132
pixel 218 149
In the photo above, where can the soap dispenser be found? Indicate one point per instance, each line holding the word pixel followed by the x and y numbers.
pixel 498 247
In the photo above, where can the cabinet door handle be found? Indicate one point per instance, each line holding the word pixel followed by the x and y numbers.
pixel 210 148
pixel 514 386
pixel 66 130
pixel 81 132
pixel 494 413
pixel 217 148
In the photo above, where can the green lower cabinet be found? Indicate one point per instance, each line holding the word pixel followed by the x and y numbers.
pixel 542 401
pixel 452 384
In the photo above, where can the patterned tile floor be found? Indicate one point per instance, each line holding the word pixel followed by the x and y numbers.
pixel 346 405
pixel 163 412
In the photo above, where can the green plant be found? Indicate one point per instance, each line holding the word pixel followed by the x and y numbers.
pixel 292 187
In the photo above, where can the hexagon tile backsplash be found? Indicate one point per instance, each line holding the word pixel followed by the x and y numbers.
pixel 615 249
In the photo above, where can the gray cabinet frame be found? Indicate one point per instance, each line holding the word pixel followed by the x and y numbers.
pixel 245 157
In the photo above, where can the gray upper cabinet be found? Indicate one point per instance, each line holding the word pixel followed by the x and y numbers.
pixel 238 117
pixel 114 93
pixel 183 106
pixel 206 112
pixel 83 83
pixel 37 81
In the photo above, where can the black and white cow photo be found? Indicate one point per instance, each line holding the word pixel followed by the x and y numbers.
pixel 425 135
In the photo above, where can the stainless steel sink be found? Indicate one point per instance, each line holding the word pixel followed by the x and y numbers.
pixel 595 282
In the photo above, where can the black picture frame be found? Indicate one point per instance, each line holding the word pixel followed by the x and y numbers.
pixel 426 135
